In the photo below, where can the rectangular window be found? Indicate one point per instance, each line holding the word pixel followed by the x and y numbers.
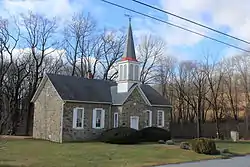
pixel 98 118
pixel 148 118
pixel 78 118
pixel 160 118
pixel 116 123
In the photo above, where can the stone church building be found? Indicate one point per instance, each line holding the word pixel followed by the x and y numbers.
pixel 69 108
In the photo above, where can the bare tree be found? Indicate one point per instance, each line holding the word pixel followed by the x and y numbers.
pixel 150 50
pixel 214 76
pixel 39 37
pixel 8 42
pixel 79 42
pixel 231 82
pixel 112 45
pixel 242 63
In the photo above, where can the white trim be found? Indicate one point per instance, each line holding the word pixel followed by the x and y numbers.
pixel 144 96
pixel 141 92
pixel 137 117
pixel 75 118
pixel 150 118
pixel 102 123
pixel 163 118
pixel 114 125
pixel 129 93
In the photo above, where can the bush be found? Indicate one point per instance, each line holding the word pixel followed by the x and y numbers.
pixel 204 146
pixel 154 134
pixel 120 135
pixel 185 146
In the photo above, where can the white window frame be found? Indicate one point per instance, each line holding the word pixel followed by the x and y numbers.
pixel 163 120
pixel 102 118
pixel 75 118
pixel 150 117
pixel 116 125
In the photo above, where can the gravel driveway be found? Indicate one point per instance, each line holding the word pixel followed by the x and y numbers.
pixel 233 162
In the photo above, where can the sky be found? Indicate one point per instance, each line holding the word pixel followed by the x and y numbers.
pixel 228 16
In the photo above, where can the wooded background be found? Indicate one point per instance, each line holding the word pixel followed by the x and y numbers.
pixel 31 45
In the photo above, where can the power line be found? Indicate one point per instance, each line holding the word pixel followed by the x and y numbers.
pixel 191 21
pixel 177 26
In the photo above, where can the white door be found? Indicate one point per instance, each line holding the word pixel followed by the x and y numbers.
pixel 134 122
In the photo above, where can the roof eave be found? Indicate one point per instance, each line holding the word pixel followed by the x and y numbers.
pixel 161 105
pixel 82 101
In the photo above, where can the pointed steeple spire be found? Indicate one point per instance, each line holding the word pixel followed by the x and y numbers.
pixel 129 52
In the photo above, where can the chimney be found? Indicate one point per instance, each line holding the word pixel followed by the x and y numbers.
pixel 89 74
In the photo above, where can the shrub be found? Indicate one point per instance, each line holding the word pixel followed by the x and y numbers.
pixel 185 146
pixel 154 134
pixel 204 146
pixel 120 135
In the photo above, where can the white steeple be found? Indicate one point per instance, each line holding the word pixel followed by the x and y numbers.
pixel 128 71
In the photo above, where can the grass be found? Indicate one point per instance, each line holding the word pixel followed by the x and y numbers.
pixel 36 153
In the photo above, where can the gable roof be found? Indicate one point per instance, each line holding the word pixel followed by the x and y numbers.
pixel 78 89
pixel 154 97
pixel 82 89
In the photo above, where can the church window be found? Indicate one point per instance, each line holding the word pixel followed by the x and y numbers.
pixel 98 118
pixel 78 118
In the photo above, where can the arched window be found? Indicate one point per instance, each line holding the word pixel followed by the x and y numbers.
pixel 121 72
pixel 136 72
pixel 131 72
pixel 125 72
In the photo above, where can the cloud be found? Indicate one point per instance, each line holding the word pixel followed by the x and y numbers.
pixel 218 14
pixel 62 9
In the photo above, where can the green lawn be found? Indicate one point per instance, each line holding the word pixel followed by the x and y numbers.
pixel 35 153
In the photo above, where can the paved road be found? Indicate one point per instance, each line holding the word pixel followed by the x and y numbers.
pixel 233 162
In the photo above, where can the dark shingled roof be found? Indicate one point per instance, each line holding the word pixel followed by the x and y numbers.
pixel 153 96
pixel 94 90
pixel 82 89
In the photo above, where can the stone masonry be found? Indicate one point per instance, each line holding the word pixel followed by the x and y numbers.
pixel 87 133
pixel 47 115
pixel 135 105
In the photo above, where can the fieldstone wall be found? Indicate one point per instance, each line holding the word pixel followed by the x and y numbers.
pixel 135 105
pixel 87 133
pixel 47 114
